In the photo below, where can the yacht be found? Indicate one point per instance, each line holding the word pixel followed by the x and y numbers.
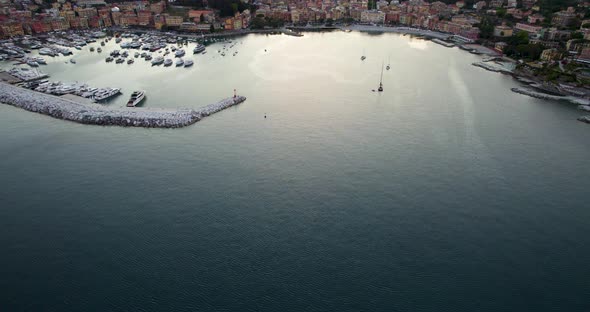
pixel 167 62
pixel 199 49
pixel 179 53
pixel 179 62
pixel 157 61
pixel 104 94
pixel 188 63
pixel 136 98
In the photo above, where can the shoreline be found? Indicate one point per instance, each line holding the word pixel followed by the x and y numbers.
pixel 96 114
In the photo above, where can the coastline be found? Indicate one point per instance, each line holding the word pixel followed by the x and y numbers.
pixel 96 114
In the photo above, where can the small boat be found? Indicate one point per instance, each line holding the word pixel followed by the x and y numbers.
pixel 167 62
pixel 91 49
pixel 120 60
pixel 109 59
pixel 78 47
pixel 179 62
pixel 188 63
pixel 32 63
pixel 136 98
pixel 73 61
pixel 102 43
pixel 363 58
pixel 130 61
pixel 99 50
pixel 179 53
pixel 157 61
pixel 148 57
pixel 40 60
pixel 136 55
pixel 388 67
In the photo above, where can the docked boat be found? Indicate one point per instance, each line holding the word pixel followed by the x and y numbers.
pixel 200 48
pixel 143 54
pixel 120 60
pixel 148 57
pixel 130 61
pixel 124 54
pixel 115 53
pixel 136 98
pixel 118 40
pixel 99 50
pixel 32 63
pixel 105 94
pixel 179 53
pixel 167 62
pixel 40 60
pixel 157 61
pixel 136 55
pixel 188 63
pixel 91 49
pixel 78 47
pixel 109 59
pixel 47 51
pixel 179 62
pixel 102 43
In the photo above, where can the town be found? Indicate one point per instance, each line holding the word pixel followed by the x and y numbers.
pixel 548 40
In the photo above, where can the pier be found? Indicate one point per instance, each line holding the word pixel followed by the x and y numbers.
pixel 95 114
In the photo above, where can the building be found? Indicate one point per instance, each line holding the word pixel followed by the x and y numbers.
pixel 373 17
pixel 531 29
pixel 564 18
pixel 503 31
pixel 550 55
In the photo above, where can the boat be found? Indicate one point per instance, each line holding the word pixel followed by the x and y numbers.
pixel 120 60
pixel 136 55
pixel 130 61
pixel 179 53
pixel 99 50
pixel 136 98
pixel 148 57
pixel 32 63
pixel 73 61
pixel 157 61
pixel 78 47
pixel 167 62
pixel 188 63
pixel 91 49
pixel 388 67
pixel 179 62
pixel 102 43
pixel 109 59
pixel 115 53
pixel 124 54
pixel 40 60
pixel 363 57
pixel 143 54
pixel 380 89
pixel 199 49
pixel 117 40
pixel 105 94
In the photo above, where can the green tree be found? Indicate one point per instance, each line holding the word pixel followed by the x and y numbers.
pixel 212 28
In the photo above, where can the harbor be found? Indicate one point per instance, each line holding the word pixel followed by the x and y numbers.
pixel 68 109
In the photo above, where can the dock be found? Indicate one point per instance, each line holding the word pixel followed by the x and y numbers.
pixel 68 108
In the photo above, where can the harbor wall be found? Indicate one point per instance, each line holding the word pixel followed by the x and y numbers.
pixel 96 114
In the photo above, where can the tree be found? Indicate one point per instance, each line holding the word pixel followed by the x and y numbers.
pixel 212 28
pixel 329 22
pixel 202 18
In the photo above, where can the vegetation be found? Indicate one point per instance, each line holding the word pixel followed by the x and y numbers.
pixel 260 22
pixel 519 47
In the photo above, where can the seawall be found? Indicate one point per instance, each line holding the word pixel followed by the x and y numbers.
pixel 96 114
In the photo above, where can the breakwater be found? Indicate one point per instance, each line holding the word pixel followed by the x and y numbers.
pixel 67 109
pixel 545 96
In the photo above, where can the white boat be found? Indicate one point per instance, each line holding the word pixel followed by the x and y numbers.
pixel 157 61
pixel 105 94
pixel 32 63
pixel 179 53
pixel 179 62
pixel 167 62
pixel 188 63
pixel 136 98
pixel 40 60
pixel 199 49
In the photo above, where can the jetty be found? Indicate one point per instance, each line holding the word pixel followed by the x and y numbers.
pixel 94 114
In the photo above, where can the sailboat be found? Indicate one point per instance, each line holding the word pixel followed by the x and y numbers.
pixel 380 89
pixel 363 57
pixel 388 62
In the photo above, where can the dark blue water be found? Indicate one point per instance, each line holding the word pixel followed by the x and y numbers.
pixel 447 192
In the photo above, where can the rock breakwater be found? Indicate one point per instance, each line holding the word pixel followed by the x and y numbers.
pixel 94 114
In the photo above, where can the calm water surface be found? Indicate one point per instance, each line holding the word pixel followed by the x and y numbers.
pixel 446 192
